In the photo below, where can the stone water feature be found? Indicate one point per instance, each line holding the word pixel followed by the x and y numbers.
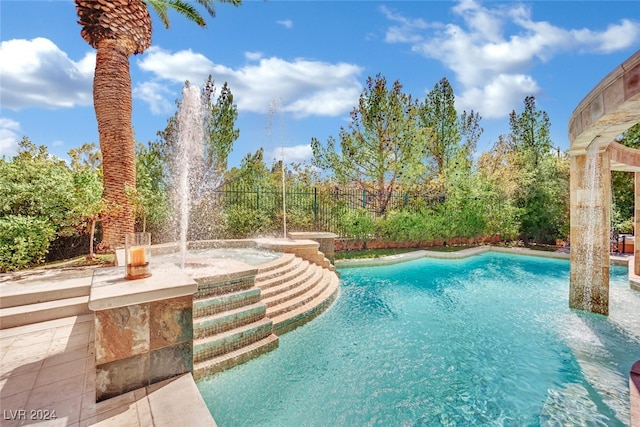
pixel 606 112
pixel 202 315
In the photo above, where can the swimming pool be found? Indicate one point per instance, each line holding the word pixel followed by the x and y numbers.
pixel 488 340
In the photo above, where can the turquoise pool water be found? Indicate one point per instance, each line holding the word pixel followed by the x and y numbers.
pixel 488 340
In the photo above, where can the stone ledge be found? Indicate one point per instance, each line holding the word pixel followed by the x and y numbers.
pixel 111 290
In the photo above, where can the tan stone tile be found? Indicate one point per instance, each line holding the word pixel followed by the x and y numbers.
pixel 76 354
pixel 145 419
pixel 75 329
pixel 91 409
pixel 52 393
pixel 25 355
pixel 90 381
pixel 20 366
pixel 120 417
pixel 62 413
pixel 60 372
pixel 71 342
pixel 5 342
pixel 14 384
pixel 15 401
pixel 31 338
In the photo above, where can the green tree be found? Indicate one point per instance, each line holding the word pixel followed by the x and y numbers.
pixel 453 138
pixel 88 206
pixel 383 147
pixel 622 184
pixel 118 30
pixel 36 202
pixel 543 178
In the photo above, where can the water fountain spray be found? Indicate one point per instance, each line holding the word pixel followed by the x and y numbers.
pixel 189 152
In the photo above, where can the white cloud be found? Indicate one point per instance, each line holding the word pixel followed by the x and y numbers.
pixel 305 87
pixel 493 64
pixel 296 153
pixel 287 23
pixel 498 97
pixel 155 94
pixel 36 73
pixel 8 136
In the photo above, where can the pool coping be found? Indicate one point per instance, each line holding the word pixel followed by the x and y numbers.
pixel 618 259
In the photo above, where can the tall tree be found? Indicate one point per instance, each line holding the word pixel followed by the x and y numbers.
pixel 453 138
pixel 383 147
pixel 543 178
pixel 118 29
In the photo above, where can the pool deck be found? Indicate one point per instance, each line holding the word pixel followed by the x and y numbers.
pixel 50 366
pixel 47 370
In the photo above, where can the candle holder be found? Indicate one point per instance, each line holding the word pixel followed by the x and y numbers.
pixel 137 254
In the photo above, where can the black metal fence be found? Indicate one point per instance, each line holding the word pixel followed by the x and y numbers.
pixel 318 209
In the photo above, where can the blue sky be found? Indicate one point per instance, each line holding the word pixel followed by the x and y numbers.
pixel 312 59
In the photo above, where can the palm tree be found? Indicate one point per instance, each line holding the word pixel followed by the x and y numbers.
pixel 118 29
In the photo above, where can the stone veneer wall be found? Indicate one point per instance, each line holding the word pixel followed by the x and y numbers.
pixel 142 344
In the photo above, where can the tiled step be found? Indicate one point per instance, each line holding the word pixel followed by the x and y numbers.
pixel 275 276
pixel 227 320
pixel 216 345
pixel 291 277
pixel 220 363
pixel 11 317
pixel 221 303
pixel 281 295
pixel 207 289
pixel 285 259
pixel 299 300
pixel 290 320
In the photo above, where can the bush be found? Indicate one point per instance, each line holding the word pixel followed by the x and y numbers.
pixel 244 222
pixel 24 241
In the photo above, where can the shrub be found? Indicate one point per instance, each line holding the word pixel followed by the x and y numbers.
pixel 24 241
pixel 244 221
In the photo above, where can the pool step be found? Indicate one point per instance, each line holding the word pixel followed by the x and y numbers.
pixel 231 340
pixel 228 360
pixel 303 313
pixel 304 287
pixel 291 275
pixel 291 300
pixel 220 303
pixel 206 326
pixel 283 294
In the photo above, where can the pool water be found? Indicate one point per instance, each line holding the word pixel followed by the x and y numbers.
pixel 488 340
pixel 251 256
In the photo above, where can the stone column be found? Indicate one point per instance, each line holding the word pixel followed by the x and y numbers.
pixel 636 224
pixel 590 234
pixel 143 328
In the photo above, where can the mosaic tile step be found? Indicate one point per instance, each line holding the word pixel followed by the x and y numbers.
pixel 233 358
pixel 290 320
pixel 205 348
pixel 289 291
pixel 218 304
pixel 209 289
pixel 297 270
pixel 289 281
pixel 220 322
pixel 285 259
pixel 308 296
pixel 273 275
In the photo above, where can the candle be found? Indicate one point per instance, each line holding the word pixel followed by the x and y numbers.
pixel 137 256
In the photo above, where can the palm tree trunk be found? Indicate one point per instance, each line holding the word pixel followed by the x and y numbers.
pixel 112 103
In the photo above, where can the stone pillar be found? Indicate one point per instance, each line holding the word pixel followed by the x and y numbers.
pixel 143 328
pixel 636 223
pixel 325 240
pixel 590 235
